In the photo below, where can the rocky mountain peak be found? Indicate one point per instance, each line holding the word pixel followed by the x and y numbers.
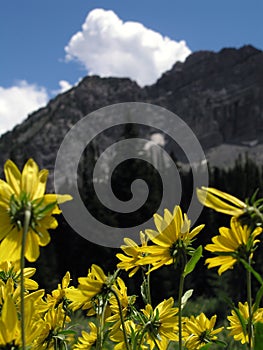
pixel 219 95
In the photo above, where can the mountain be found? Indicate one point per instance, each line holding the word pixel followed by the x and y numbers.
pixel 219 95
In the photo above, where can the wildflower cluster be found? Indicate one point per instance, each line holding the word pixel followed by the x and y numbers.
pixel 32 319
pixel 237 244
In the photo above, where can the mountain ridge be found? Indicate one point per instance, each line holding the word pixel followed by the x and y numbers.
pixel 219 95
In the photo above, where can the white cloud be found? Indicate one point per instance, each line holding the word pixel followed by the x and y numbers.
pixel 64 86
pixel 16 102
pixel 107 46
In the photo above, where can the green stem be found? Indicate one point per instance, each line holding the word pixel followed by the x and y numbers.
pixel 101 317
pixel 250 312
pixel 181 288
pixel 155 342
pixel 64 307
pixel 138 344
pixel 102 321
pixel 122 319
pixel 146 282
pixel 148 286
pixel 258 213
pixel 27 218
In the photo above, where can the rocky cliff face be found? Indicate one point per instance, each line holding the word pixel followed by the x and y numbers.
pixel 219 95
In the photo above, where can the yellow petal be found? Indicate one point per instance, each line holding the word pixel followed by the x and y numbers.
pixel 9 318
pixel 226 196
pixel 41 187
pixel 10 247
pixel 214 199
pixel 32 247
pixel 29 271
pixel 6 191
pixel 29 180
pixel 6 226
pixel 66 280
pixel 62 198
pixel 30 284
pixel 44 237
pixel 13 176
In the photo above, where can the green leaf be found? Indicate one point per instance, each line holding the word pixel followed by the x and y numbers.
pixel 67 331
pixel 189 267
pixel 144 294
pixel 206 346
pixel 258 298
pixel 41 213
pixel 186 296
pixel 217 342
pixel 220 343
pixel 258 336
pixel 250 269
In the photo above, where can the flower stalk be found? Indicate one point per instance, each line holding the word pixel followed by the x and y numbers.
pixel 250 311
pixel 27 218
pixel 100 340
pixel 122 319
pixel 180 295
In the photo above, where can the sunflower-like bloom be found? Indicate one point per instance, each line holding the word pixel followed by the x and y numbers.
pixel 199 330
pixel 162 323
pixel 87 340
pixel 126 302
pixel 53 323
pixel 239 332
pixel 9 288
pixel 23 192
pixel 131 329
pixel 131 259
pixel 8 322
pixel 9 269
pixel 221 201
pixel 232 243
pixel 172 241
pixel 58 295
pixel 89 288
pixel 10 328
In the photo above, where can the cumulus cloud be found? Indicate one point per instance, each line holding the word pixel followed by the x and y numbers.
pixel 64 86
pixel 16 102
pixel 107 46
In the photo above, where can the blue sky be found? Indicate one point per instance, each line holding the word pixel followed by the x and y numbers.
pixel 35 64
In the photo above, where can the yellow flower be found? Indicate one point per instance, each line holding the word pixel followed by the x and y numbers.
pixel 8 322
pixel 58 295
pixel 236 328
pixel 10 328
pixel 131 259
pixel 162 323
pixel 232 243
pixel 172 239
pixel 198 331
pixel 221 201
pixel 53 323
pixel 131 329
pixel 8 288
pixel 88 339
pixel 89 288
pixel 125 301
pixel 12 270
pixel 21 192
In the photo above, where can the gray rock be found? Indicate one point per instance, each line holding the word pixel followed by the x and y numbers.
pixel 219 95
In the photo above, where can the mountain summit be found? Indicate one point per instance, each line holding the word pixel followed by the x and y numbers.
pixel 219 95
